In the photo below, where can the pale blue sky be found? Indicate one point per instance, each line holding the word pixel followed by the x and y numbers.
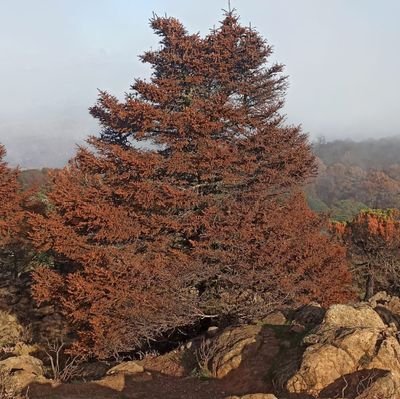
pixel 342 56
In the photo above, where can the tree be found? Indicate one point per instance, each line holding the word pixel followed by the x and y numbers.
pixel 373 242
pixel 380 190
pixel 11 213
pixel 204 222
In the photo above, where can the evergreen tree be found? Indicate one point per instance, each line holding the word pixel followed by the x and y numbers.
pixel 204 221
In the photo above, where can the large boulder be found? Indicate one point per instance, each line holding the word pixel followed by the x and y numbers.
pixel 23 370
pixel 350 338
pixel 322 364
pixel 362 315
pixel 226 349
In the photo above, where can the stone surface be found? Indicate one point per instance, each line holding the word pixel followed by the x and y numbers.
pixel 387 387
pixel 126 368
pixel 308 315
pixel 344 316
pixel 275 319
pixel 93 370
pixel 388 308
pixel 322 364
pixel 23 370
pixel 350 339
pixel 228 348
pixel 212 331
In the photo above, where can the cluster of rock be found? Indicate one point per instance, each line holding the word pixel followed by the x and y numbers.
pixel 44 322
pixel 355 349
pixel 348 350
pixel 352 350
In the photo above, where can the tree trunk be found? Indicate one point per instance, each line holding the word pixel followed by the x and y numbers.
pixel 369 291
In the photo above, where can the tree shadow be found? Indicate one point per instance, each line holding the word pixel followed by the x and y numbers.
pixel 352 385
pixel 259 365
pixel 140 386
pixel 387 316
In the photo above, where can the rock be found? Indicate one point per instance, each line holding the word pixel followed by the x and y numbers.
pixel 309 315
pixel 93 370
pixel 388 308
pixel 11 330
pixel 386 355
pixel 254 396
pixel 322 364
pixel 116 382
pixel 387 387
pixel 23 370
pixel 378 298
pixel 350 339
pixel 352 316
pixel 229 346
pixel 188 345
pixel 297 328
pixel 26 363
pixel 126 368
pixel 276 318
pixel 212 331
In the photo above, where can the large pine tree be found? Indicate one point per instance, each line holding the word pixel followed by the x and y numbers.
pixel 205 219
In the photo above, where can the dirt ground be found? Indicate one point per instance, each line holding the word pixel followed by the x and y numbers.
pixel 250 377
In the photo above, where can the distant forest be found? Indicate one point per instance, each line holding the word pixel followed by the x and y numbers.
pixel 351 176
pixel 356 175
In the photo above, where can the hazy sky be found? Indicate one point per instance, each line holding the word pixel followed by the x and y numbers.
pixel 342 56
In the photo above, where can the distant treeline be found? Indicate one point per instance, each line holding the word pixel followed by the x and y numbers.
pixel 355 175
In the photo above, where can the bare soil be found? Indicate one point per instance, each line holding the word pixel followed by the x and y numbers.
pixel 250 377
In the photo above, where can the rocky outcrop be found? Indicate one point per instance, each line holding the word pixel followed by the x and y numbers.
pixel 388 308
pixel 309 315
pixel 387 387
pixel 126 368
pixel 276 318
pixel 346 316
pixel 228 347
pixel 22 370
pixel 350 339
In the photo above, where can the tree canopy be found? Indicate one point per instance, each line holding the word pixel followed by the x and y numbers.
pixel 206 219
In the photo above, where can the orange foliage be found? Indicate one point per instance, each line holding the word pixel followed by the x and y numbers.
pixel 11 214
pixel 205 223
pixel 373 241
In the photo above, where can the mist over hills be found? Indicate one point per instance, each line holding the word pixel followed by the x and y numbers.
pixel 34 151
pixel 45 142
pixel 38 151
